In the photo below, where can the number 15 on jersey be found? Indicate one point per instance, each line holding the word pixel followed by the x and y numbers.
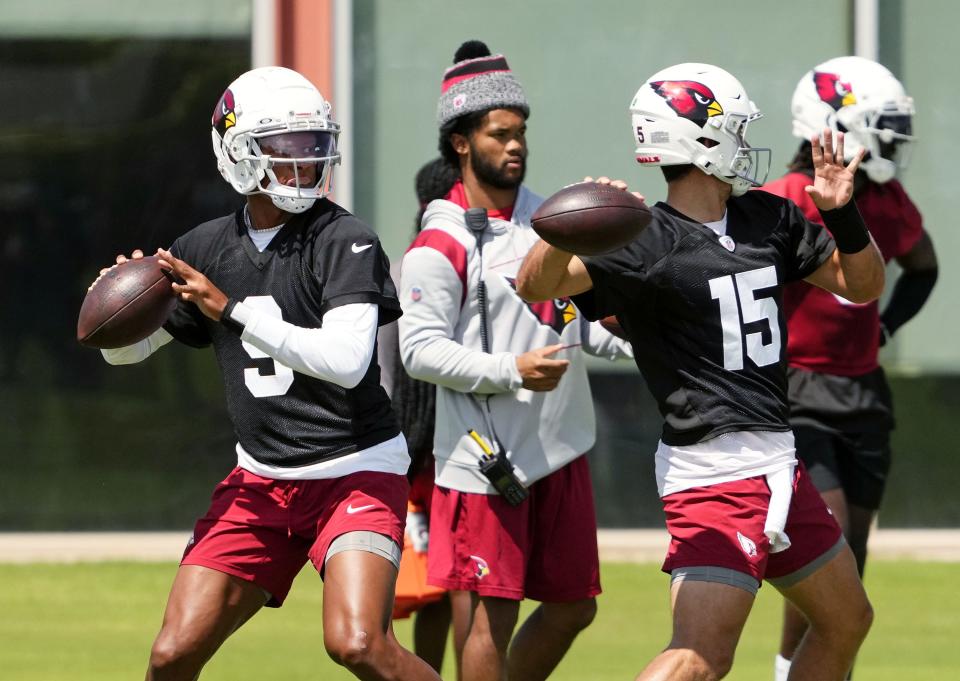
pixel 727 290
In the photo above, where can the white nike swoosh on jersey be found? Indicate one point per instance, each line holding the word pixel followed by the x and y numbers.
pixel 351 509
pixel 358 249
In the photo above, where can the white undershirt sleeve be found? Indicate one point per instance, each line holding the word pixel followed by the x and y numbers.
pixel 137 352
pixel 340 351
pixel 599 342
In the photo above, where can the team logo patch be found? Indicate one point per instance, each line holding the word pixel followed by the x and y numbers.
pixel 727 243
pixel 690 99
pixel 748 545
pixel 556 313
pixel 416 293
pixel 459 101
pixel 482 568
pixel 224 116
pixel 832 90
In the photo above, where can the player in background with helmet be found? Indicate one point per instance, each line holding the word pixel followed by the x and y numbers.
pixel 840 405
pixel 289 290
pixel 699 295
pixel 414 402
pixel 514 413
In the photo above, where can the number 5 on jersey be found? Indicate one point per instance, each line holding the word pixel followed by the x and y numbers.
pixel 726 290
pixel 279 381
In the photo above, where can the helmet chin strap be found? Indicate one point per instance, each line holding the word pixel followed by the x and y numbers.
pixel 290 205
pixel 879 170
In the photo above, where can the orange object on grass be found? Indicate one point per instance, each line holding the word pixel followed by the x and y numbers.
pixel 412 591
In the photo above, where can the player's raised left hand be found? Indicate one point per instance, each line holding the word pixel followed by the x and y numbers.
pixel 196 288
pixel 832 181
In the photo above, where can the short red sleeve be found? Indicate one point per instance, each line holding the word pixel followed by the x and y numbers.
pixel 891 217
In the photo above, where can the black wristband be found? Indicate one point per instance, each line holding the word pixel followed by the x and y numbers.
pixel 846 225
pixel 232 324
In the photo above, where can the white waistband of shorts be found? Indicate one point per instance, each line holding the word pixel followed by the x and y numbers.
pixel 389 456
pixel 731 456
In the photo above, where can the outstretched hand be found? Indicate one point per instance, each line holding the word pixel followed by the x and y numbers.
pixel 832 181
pixel 539 371
pixel 196 288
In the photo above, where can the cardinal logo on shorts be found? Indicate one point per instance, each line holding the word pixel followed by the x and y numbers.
pixel 748 545
pixel 482 568
pixel 556 313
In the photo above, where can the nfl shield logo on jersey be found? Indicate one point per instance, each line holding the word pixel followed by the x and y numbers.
pixel 728 243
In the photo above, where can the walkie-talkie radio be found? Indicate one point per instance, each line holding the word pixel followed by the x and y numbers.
pixel 499 471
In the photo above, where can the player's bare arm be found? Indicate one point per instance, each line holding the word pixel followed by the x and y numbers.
pixel 548 272
pixel 552 272
pixel 855 277
pixel 196 288
pixel 858 276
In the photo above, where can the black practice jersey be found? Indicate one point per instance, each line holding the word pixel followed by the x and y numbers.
pixel 704 312
pixel 321 259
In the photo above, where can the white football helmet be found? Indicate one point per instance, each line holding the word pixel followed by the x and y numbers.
pixel 867 103
pixel 272 119
pixel 698 113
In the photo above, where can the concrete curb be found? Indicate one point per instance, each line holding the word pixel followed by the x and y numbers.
pixel 622 546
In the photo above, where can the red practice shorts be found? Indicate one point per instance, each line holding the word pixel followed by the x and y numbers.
pixel 545 549
pixel 263 530
pixel 722 526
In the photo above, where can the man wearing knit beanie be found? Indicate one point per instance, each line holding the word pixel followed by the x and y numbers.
pixel 480 89
pixel 512 512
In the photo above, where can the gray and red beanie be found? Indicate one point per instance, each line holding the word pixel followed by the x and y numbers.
pixel 479 83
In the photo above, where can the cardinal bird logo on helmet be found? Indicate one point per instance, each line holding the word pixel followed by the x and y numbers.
pixel 690 99
pixel 224 116
pixel 832 90
pixel 556 313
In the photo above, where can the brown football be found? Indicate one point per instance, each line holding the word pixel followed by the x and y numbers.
pixel 612 324
pixel 125 305
pixel 590 218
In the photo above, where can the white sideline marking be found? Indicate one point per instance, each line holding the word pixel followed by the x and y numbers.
pixel 623 546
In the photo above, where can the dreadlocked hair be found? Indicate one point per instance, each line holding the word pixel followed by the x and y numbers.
pixel 415 403
pixel 434 181
pixel 802 161
pixel 468 123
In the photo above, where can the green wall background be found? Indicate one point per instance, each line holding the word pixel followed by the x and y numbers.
pixel 87 446
pixel 580 64
pixel 928 62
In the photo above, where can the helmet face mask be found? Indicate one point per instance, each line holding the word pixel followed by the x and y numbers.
pixel 862 99
pixel 891 137
pixel 699 114
pixel 272 134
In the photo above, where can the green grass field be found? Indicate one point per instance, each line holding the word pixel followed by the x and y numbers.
pixel 95 622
